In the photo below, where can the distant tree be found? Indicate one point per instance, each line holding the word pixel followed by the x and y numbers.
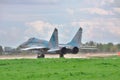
pixel 118 46
pixel 101 47
pixel 105 48
pixel 91 43
pixel 110 44
pixel 1 50
pixel 110 47
pixel 114 48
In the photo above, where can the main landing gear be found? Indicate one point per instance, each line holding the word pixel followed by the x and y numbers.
pixel 61 55
pixel 41 56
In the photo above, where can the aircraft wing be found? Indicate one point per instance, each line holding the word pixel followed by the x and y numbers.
pixel 33 48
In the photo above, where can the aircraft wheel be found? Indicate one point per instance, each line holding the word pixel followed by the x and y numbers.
pixel 41 56
pixel 61 55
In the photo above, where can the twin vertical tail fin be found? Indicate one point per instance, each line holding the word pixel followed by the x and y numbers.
pixel 76 41
pixel 53 43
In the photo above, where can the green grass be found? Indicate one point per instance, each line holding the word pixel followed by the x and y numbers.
pixel 60 69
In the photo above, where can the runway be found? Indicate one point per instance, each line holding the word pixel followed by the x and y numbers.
pixel 79 55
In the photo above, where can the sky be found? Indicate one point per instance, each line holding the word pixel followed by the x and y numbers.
pixel 23 19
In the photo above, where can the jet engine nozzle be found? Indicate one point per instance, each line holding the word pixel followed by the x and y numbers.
pixel 63 50
pixel 75 50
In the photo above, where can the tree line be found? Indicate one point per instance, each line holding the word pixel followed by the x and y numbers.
pixel 104 47
pixel 1 50
pixel 109 47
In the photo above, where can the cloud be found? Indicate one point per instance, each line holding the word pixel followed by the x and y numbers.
pixel 41 28
pixel 98 11
pixel 99 19
pixel 104 2
pixel 70 11
pixel 97 3
pixel 116 3
pixel 13 32
pixel 2 32
pixel 33 2
pixel 11 36
pixel 102 30
pixel 117 10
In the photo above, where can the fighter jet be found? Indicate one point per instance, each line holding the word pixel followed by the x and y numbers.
pixel 52 46
pixel 42 46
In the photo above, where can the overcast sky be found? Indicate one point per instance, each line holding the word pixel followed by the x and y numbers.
pixel 22 19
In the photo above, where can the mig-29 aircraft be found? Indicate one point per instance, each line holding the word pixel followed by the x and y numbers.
pixel 52 46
